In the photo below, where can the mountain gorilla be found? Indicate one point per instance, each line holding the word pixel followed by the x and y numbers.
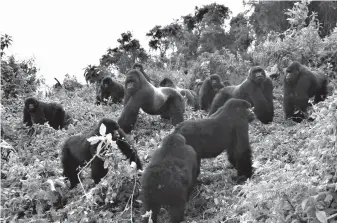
pixel 139 67
pixel 140 94
pixel 77 150
pixel 257 89
pixel 169 178
pixel 39 112
pixel 299 85
pixel 190 95
pixel 227 129
pixel 208 90
pixel 110 88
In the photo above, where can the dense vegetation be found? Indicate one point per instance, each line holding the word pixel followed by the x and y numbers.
pixel 295 177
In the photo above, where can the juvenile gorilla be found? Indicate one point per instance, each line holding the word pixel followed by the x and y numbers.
pixel 257 89
pixel 227 129
pixel 169 178
pixel 39 112
pixel 140 94
pixel 208 90
pixel 139 67
pixel 191 96
pixel 110 88
pixel 299 85
pixel 77 150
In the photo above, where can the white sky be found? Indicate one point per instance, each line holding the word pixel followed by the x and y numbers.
pixel 66 36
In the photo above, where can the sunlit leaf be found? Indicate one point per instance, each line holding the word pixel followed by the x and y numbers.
pixel 102 129
pixel 94 139
pixel 321 216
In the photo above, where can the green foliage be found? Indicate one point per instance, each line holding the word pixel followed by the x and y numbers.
pixel 240 34
pixel 18 77
pixel 6 41
pixel 94 74
pixel 300 42
pixel 71 83
pixel 162 38
pixel 125 55
pixel 224 63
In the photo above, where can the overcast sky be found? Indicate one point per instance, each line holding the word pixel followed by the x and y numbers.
pixel 66 36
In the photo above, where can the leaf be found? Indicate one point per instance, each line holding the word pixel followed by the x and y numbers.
pixel 321 216
pixel 304 203
pixel 99 147
pixel 106 164
pixel 102 129
pixel 94 139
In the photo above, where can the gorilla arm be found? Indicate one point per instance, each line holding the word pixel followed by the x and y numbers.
pixel 302 89
pixel 129 115
pixel 288 99
pixel 243 152
pixel 267 110
pixel 125 147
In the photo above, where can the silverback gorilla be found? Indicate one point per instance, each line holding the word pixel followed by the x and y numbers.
pixel 77 150
pixel 169 178
pixel 39 112
pixel 139 67
pixel 190 95
pixel 140 94
pixel 110 88
pixel 257 89
pixel 208 90
pixel 226 129
pixel 300 84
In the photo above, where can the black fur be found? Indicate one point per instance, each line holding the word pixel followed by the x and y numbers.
pixel 110 88
pixel 299 85
pixel 191 96
pixel 208 90
pixel 140 94
pixel 257 89
pixel 77 150
pixel 139 67
pixel 169 178
pixel 227 129
pixel 39 112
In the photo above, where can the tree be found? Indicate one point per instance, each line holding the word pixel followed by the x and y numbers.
pixel 125 55
pixel 162 38
pixel 6 41
pixel 269 16
pixel 207 28
pixel 240 35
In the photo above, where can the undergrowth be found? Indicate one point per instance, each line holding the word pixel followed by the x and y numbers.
pixel 294 181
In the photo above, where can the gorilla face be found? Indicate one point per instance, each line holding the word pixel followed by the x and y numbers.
pixel 132 82
pixel 31 104
pixel 111 127
pixel 257 75
pixel 215 82
pixel 107 82
pixel 292 72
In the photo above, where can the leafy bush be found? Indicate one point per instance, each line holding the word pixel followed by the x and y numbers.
pixel 224 63
pixel 71 83
pixel 297 43
pixel 18 77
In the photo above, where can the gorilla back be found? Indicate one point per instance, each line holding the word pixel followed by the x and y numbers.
pixel 169 178
pixel 39 112
pixel 140 94
pixel 257 89
pixel 190 95
pixel 227 129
